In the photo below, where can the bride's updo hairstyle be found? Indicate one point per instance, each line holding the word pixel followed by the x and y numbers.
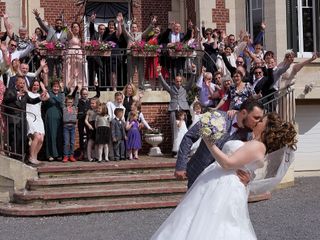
pixel 278 133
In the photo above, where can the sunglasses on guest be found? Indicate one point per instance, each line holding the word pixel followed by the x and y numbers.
pixel 258 72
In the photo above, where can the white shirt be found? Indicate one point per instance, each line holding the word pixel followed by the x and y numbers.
pixel 17 54
pixel 175 37
pixel 111 106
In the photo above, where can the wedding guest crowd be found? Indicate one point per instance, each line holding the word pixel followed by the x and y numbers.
pixel 55 96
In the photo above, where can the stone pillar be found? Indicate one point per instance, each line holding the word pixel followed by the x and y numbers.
pixel 178 13
pixel 276 31
pixel 13 9
pixel 205 13
pixel 237 16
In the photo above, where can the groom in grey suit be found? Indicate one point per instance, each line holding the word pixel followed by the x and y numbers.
pixel 238 128
pixel 54 34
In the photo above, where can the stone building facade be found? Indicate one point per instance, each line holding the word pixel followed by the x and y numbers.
pixel 230 15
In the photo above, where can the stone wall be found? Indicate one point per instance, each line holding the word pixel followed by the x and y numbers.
pixel 53 8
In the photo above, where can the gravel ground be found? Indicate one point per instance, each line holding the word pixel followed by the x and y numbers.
pixel 292 213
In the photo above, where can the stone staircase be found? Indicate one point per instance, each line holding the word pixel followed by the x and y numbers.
pixel 83 187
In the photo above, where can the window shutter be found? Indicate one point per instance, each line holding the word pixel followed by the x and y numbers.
pixel 292 25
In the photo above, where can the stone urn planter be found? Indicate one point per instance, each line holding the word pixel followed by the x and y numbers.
pixel 154 139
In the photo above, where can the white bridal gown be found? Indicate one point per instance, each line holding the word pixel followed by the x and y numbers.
pixel 215 207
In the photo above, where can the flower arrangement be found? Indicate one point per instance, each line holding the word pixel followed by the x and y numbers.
pixel 91 45
pixel 141 48
pixel 98 48
pixel 51 46
pixel 183 49
pixel 213 126
pixel 95 45
pixel 179 47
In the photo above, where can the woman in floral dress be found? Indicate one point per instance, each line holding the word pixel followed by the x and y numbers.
pixel 238 92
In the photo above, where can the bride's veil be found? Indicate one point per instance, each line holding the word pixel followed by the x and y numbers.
pixel 275 167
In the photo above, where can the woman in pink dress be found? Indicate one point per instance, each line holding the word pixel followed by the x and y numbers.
pixel 74 63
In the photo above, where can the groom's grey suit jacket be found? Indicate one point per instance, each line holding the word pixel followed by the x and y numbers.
pixel 202 157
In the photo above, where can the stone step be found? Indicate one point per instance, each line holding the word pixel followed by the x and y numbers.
pixel 58 169
pixel 99 205
pixel 105 205
pixel 97 180
pixel 109 191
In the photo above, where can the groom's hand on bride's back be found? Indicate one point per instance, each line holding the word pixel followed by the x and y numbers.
pixel 180 175
pixel 243 176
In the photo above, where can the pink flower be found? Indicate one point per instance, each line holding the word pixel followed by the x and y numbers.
pixel 50 46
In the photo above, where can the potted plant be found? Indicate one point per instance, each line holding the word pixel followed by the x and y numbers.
pixel 179 49
pixel 154 137
pixel 51 48
pixel 143 49
pixel 97 48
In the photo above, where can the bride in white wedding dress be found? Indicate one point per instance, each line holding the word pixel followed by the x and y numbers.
pixel 215 207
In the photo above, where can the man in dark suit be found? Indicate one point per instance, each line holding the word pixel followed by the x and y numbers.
pixel 261 83
pixel 173 34
pixel 96 63
pixel 16 99
pixel 238 128
pixel 24 69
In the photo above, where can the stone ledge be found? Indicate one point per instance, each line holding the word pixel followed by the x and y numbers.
pixel 148 97
pixel 17 171
pixel 14 175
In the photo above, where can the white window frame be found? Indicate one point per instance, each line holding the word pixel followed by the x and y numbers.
pixel 251 9
pixel 300 53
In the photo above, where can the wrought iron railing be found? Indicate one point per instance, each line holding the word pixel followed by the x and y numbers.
pixel 119 67
pixel 281 102
pixel 13 127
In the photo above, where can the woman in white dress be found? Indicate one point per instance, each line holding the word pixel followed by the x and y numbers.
pixel 35 123
pixel 215 207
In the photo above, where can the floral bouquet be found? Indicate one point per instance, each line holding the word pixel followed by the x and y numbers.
pixel 213 126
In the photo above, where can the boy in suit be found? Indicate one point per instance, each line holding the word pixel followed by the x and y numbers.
pixel 118 134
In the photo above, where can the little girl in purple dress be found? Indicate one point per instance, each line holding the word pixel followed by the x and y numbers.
pixel 134 137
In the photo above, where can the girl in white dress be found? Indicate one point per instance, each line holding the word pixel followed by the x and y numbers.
pixel 196 113
pixel 34 122
pixel 180 130
pixel 215 207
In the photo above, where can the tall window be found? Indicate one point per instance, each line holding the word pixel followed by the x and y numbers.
pixel 255 15
pixel 303 26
